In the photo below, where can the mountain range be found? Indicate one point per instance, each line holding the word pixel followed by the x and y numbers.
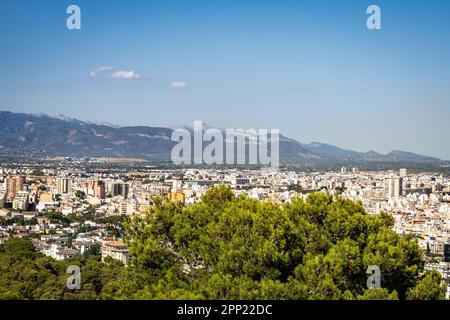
pixel 41 134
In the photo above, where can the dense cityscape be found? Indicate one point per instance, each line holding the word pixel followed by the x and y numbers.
pixel 68 207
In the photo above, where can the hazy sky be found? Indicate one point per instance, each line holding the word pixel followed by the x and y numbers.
pixel 310 68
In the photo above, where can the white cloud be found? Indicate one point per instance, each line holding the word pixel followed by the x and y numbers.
pixel 178 84
pixel 111 72
pixel 125 74
pixel 94 72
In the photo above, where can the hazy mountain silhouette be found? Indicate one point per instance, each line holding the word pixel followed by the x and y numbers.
pixel 42 134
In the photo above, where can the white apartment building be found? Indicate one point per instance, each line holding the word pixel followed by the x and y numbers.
pixel 21 201
pixel 117 250
pixel 59 253
pixel 393 187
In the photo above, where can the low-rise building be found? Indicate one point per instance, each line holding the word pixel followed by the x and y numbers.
pixel 117 250
pixel 59 253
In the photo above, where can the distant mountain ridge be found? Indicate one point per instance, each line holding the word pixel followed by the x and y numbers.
pixel 63 136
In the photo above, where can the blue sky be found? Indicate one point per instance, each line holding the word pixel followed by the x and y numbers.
pixel 310 68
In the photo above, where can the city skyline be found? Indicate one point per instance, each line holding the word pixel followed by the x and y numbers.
pixel 312 70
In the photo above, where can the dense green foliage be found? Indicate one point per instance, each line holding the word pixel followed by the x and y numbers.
pixel 26 274
pixel 229 247
pixel 240 248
